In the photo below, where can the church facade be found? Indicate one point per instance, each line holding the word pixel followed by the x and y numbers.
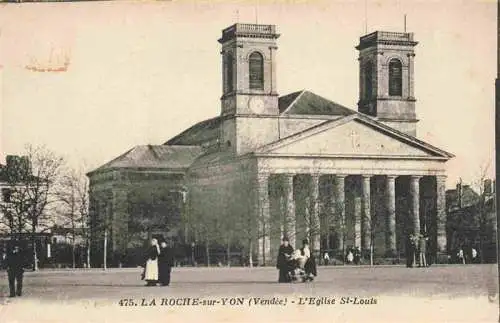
pixel 298 165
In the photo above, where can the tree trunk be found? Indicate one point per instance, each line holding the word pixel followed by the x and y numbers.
pixel 228 252
pixel 207 249
pixel 250 254
pixel 88 254
pixel 73 252
pixel 371 253
pixel 35 255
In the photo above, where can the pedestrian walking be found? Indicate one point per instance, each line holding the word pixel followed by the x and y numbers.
pixel 15 269
pixel 150 273
pixel 283 264
pixel 165 263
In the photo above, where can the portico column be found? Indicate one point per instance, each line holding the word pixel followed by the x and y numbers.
pixel 415 203
pixel 340 211
pixel 263 217
pixel 366 215
pixel 390 194
pixel 441 217
pixel 289 219
pixel 315 225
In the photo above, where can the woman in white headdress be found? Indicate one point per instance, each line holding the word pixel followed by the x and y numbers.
pixel 151 268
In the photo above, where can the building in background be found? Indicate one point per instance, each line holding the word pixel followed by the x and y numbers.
pixel 472 221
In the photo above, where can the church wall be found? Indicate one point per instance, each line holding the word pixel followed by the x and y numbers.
pixel 409 128
pixel 255 132
pixel 351 138
pixel 111 196
pixel 262 46
pixel 353 166
pixel 396 110
pixel 289 126
pixel 222 195
pixel 228 134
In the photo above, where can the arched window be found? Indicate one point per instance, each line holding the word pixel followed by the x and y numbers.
pixel 395 78
pixel 256 71
pixel 368 81
pixel 229 64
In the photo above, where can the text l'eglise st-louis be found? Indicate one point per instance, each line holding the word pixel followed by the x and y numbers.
pixel 323 300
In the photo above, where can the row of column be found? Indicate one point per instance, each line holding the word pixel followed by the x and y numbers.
pixel 362 229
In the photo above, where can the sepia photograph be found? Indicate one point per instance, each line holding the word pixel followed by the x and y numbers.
pixel 249 161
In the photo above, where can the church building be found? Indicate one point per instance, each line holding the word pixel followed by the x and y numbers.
pixel 296 165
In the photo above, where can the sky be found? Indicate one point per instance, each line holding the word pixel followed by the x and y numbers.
pixel 141 72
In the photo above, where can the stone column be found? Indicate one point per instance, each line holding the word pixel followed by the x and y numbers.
pixel 366 223
pixel 390 195
pixel 340 212
pixel 357 221
pixel 315 233
pixel 289 219
pixel 415 203
pixel 262 205
pixel 441 218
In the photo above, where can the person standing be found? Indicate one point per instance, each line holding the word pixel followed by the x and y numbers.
pixel 282 264
pixel 422 249
pixel 410 252
pixel 151 267
pixel 165 263
pixel 461 256
pixel 326 258
pixel 309 261
pixel 15 270
pixel 474 255
pixel 350 257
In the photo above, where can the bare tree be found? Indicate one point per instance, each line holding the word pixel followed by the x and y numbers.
pixel 32 180
pixel 482 212
pixel 73 195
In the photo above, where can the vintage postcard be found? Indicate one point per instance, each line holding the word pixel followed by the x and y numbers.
pixel 248 161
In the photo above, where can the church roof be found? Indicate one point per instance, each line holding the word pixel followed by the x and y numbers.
pixel 202 132
pixel 297 103
pixel 157 156
pixel 307 103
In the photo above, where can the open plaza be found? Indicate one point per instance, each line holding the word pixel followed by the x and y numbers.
pixel 451 293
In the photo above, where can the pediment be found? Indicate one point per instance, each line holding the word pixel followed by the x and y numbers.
pixel 354 136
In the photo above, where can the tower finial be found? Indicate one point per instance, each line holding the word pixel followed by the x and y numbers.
pixel 405 23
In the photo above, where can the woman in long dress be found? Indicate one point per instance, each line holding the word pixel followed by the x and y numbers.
pixel 282 264
pixel 151 269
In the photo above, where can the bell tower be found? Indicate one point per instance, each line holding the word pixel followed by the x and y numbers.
pixel 249 102
pixel 249 73
pixel 386 75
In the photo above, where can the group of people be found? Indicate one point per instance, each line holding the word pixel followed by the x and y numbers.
pixel 159 263
pixel 417 251
pixel 292 263
pixel 465 257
